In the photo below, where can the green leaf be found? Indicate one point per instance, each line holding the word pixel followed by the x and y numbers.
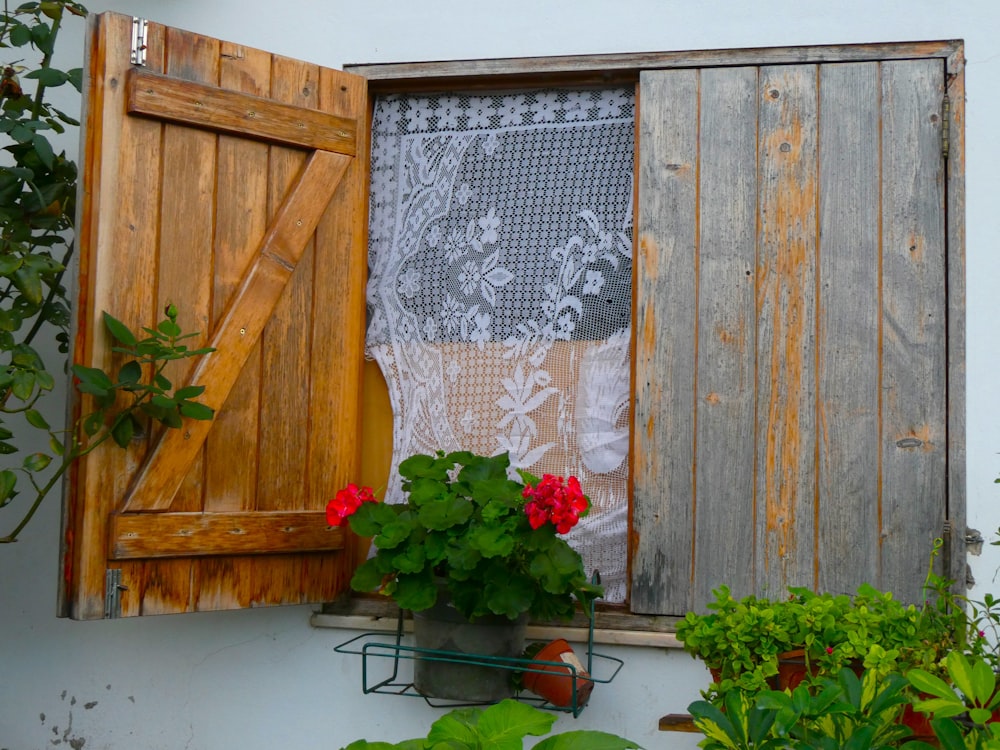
pixel 189 391
pixel 445 513
pixel 169 328
pixel 457 729
pixel 19 35
pixel 43 149
pixel 35 419
pixel 415 591
pixel 8 481
pixel 130 373
pixel 925 682
pixel 93 423
pixel 119 331
pixel 37 461
pixel 510 721
pixel 24 384
pixel 194 410
pixel 586 739
pixel 9 264
pixel 49 77
pixel 122 431
pixel 29 283
pixel 55 446
pixel 960 672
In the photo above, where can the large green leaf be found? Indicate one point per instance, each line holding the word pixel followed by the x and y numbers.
pixel 445 513
pixel 586 739
pixel 506 724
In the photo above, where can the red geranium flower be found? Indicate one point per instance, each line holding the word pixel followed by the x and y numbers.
pixel 346 502
pixel 552 500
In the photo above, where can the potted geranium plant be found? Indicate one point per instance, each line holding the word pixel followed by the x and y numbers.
pixel 470 545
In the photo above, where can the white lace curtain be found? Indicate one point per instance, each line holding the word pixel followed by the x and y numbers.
pixel 500 288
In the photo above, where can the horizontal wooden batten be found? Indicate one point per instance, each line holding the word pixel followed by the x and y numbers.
pixel 614 69
pixel 247 116
pixel 144 536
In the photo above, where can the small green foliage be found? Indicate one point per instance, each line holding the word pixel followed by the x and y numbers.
pixel 501 727
pixel 122 407
pixel 37 206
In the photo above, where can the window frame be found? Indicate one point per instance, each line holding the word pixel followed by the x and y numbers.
pixel 619 69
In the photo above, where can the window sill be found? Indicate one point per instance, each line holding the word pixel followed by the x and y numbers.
pixel 612 626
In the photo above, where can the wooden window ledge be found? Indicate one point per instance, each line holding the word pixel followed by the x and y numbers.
pixel 611 626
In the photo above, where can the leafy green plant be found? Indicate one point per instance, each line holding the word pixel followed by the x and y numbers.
pixel 503 726
pixel 742 641
pixel 37 205
pixel 963 706
pixel 493 541
pixel 849 712
pixel 140 393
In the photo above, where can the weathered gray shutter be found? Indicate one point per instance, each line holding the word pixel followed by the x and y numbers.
pixel 791 417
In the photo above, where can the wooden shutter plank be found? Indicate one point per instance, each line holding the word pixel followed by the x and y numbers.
pixel 184 272
pixel 848 328
pixel 724 538
pixel 241 223
pixel 160 535
pixel 260 292
pixel 220 110
pixel 286 347
pixel 111 159
pixel 786 327
pixel 340 274
pixel 665 278
pixel 914 325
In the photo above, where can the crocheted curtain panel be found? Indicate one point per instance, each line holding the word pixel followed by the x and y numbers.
pixel 500 288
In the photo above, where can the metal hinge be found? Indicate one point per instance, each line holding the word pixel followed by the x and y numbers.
pixel 139 28
pixel 113 589
pixel 945 125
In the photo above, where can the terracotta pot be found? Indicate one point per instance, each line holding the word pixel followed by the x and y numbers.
pixel 791 669
pixel 555 682
pixel 919 724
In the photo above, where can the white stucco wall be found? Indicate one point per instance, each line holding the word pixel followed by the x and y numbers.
pixel 264 679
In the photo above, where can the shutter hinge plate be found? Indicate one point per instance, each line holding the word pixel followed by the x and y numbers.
pixel 113 589
pixel 945 125
pixel 140 27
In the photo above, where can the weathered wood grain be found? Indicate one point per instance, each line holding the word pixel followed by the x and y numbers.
pixel 664 321
pixel 914 357
pixel 218 109
pixel 726 331
pixel 786 328
pixel 259 297
pixel 847 343
pixel 240 225
pixel 186 534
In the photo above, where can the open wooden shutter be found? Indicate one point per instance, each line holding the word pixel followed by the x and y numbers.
pixel 792 318
pixel 231 183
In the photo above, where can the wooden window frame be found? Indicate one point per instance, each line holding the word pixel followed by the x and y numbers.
pixel 624 69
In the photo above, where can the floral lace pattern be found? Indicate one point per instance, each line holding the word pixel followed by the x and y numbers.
pixel 500 287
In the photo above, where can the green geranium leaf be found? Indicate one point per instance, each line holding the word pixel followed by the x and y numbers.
pixel 395 532
pixel 411 560
pixel 445 513
pixel 508 595
pixel 492 541
pixel 370 518
pixel 368 576
pixel 420 465
pixel 425 490
pixel 415 591
pixel 551 566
